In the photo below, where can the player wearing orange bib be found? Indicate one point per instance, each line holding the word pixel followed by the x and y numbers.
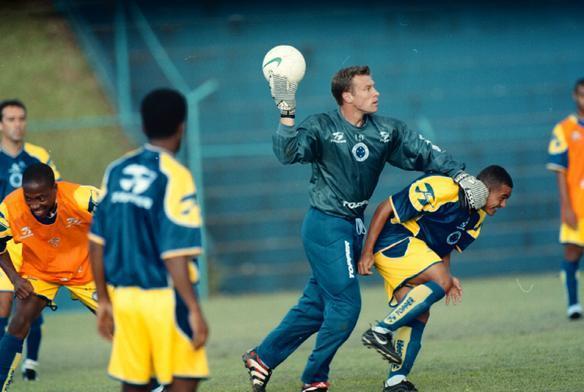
pixel 15 156
pixel 51 220
pixel 566 158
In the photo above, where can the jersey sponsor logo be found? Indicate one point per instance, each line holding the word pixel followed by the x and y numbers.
pixel 400 310
pixel 338 137
pixel 355 204
pixel 360 152
pixel 25 232
pixel 140 179
pixel 384 137
pixel 434 147
pixel 425 194
pixel 576 136
pixel 349 260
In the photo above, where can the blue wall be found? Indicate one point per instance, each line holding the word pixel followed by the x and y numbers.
pixel 486 82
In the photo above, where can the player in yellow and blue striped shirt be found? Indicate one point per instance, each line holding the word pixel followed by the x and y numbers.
pixel 144 237
pixel 410 239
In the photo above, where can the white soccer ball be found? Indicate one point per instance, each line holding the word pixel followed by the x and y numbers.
pixel 284 60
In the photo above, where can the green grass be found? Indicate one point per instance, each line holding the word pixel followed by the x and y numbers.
pixel 43 66
pixel 501 338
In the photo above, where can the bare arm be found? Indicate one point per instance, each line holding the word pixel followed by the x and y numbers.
pixel 382 214
pixel 22 287
pixel 105 319
pixel 287 121
pixel 454 295
pixel 568 215
pixel 178 269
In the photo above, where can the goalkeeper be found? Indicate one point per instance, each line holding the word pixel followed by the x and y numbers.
pixel 347 148
pixel 410 239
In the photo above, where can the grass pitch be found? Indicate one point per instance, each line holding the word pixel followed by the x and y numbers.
pixel 509 334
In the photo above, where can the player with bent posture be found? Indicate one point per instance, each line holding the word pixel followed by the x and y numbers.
pixel 51 220
pixel 15 156
pixel 348 149
pixel 410 240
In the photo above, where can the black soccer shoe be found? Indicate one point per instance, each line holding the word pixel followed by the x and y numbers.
pixel 404 386
pixel 575 312
pixel 259 373
pixel 29 375
pixel 383 343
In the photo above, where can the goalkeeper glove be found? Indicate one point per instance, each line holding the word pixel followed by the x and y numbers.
pixel 284 94
pixel 475 190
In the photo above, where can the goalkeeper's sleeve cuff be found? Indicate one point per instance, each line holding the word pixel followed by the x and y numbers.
pixel 286 131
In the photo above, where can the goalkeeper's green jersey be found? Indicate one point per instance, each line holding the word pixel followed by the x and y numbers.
pixel 347 160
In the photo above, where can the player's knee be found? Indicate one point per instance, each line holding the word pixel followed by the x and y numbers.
pixel 573 252
pixel 5 304
pixel 18 326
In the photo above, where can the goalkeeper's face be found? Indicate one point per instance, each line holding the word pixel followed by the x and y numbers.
pixel 41 198
pixel 497 198
pixel 363 94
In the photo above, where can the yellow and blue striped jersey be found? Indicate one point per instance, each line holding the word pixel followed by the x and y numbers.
pixel 566 154
pixel 430 209
pixel 148 213
pixel 11 168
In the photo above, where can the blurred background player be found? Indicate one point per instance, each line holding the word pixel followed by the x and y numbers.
pixel 51 220
pixel 410 240
pixel 348 148
pixel 15 156
pixel 566 158
pixel 159 327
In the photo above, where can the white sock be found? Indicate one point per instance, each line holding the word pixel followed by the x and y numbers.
pixel 29 364
pixel 382 330
pixel 394 380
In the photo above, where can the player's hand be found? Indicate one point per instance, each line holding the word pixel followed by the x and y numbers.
pixel 200 329
pixel 475 191
pixel 105 320
pixel 454 295
pixel 22 288
pixel 365 263
pixel 569 217
pixel 284 94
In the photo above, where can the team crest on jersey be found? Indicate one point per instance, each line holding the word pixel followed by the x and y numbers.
pixel 338 137
pixel 15 172
pixel 425 194
pixel 55 242
pixel 360 152
pixel 576 136
pixel 453 237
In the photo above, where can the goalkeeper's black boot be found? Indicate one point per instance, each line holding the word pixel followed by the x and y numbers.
pixel 404 386
pixel 259 373
pixel 320 386
pixel 383 343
